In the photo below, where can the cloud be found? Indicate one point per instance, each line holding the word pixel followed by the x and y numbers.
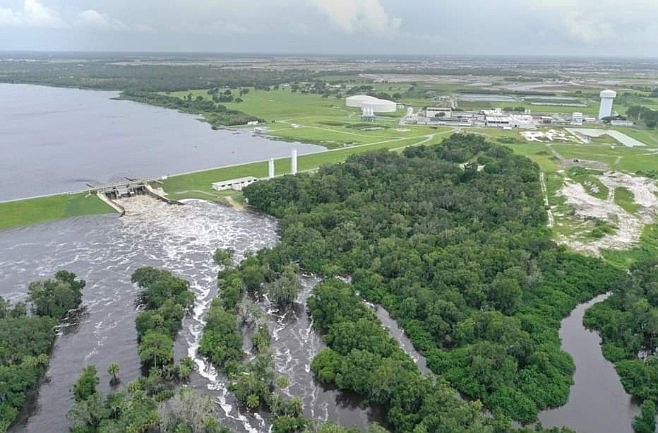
pixel 596 22
pixel 94 19
pixel 364 16
pixel 33 14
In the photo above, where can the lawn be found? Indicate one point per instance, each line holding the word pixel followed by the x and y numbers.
pixel 36 210
pixel 198 185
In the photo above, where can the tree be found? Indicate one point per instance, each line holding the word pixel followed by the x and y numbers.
pixel 645 421
pixel 156 349
pixel 284 290
pixel 187 409
pixel 113 370
pixel 85 387
pixel 223 257
pixel 55 297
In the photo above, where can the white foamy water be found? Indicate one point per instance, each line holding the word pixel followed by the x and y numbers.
pixel 105 251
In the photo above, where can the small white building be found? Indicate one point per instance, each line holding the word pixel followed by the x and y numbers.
pixel 577 118
pixel 234 184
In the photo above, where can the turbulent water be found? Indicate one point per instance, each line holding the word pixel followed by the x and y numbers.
pixel 295 344
pixel 105 251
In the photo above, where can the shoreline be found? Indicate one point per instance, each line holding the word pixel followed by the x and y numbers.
pixel 50 207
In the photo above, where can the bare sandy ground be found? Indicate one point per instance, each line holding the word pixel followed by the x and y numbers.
pixel 630 225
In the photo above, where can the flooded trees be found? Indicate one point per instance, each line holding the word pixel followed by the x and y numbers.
pixel 26 340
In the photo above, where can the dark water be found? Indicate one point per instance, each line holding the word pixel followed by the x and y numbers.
pixel 398 333
pixel 105 250
pixel 597 401
pixel 56 140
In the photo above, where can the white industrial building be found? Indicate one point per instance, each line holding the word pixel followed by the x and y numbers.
pixel 522 121
pixel 371 105
pixel 234 184
pixel 577 118
pixel 607 100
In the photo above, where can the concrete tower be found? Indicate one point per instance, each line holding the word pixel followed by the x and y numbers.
pixel 270 166
pixel 607 99
pixel 293 162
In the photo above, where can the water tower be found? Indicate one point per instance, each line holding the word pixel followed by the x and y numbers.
pixel 607 99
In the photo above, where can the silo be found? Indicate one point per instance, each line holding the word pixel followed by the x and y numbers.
pixel 607 99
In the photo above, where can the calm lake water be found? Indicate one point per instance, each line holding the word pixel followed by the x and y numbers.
pixel 56 140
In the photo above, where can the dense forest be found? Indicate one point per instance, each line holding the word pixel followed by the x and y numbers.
pixel 27 337
pixel 628 324
pixel 459 256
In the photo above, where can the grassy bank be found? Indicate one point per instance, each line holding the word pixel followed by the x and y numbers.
pixel 198 184
pixel 42 209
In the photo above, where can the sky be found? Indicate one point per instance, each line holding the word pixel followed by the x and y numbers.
pixel 434 27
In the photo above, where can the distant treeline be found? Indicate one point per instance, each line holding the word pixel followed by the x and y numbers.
pixel 643 115
pixel 104 75
pixel 216 114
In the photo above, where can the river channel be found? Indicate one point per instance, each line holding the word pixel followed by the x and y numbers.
pixel 105 250
pixel 597 401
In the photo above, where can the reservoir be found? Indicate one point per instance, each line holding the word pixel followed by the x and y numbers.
pixel 56 140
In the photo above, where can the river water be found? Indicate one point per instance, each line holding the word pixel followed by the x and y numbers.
pixel 597 401
pixel 105 250
pixel 55 140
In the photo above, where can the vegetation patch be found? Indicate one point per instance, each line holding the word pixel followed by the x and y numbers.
pixel 626 200
pixel 26 338
pixel 460 257
pixel 628 324
pixel 42 209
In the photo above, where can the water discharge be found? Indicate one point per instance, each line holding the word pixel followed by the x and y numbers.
pixel 295 344
pixel 104 251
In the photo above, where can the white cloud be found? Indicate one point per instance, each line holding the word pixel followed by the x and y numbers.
pixel 367 16
pixel 9 18
pixel 596 22
pixel 94 19
pixel 33 14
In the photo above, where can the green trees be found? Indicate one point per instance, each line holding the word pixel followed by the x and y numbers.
pixel 113 370
pixel 645 422
pixel 26 340
pixel 85 387
pixel 284 290
pixel 459 257
pixel 166 298
pixel 55 297
pixel 628 324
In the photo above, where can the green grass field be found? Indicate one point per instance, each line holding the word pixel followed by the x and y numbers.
pixel 199 184
pixel 37 210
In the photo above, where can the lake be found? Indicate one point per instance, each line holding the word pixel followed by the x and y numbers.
pixel 58 140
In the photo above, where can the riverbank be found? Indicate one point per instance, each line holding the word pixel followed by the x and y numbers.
pixel 192 185
pixel 49 208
